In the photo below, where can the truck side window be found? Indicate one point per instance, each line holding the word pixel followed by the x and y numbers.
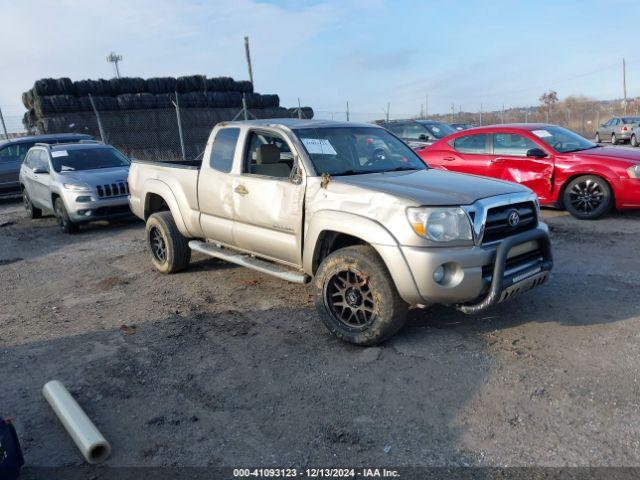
pixel 268 155
pixel 223 149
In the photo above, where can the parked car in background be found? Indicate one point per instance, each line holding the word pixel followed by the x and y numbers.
pixel 617 130
pixel 561 167
pixel 78 182
pixel 350 208
pixel 13 151
pixel 635 137
pixel 461 126
pixel 418 133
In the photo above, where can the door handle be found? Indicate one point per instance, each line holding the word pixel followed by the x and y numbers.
pixel 448 159
pixel 498 160
pixel 241 190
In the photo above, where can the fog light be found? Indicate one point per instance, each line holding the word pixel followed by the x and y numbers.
pixel 438 274
pixel 83 199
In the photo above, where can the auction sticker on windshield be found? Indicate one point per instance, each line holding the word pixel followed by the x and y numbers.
pixel 320 146
pixel 541 133
pixel 59 153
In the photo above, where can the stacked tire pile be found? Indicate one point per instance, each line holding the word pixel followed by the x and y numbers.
pixel 138 116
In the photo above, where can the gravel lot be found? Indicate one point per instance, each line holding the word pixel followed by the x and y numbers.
pixel 220 365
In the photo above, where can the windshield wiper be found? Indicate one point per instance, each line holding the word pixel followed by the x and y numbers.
pixel 581 149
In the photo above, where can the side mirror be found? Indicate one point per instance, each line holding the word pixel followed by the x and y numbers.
pixel 423 138
pixel 536 153
pixel 297 173
pixel 40 171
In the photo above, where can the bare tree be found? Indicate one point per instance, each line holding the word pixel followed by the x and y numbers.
pixel 549 100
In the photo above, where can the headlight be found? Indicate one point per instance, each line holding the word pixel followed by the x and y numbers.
pixel 75 187
pixel 440 224
pixel 634 172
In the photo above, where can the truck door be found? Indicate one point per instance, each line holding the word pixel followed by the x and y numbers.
pixel 215 187
pixel 268 199
pixel 510 151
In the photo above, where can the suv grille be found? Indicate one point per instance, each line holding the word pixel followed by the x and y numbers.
pixel 498 226
pixel 113 189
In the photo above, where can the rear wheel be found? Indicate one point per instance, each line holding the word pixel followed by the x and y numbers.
pixel 65 223
pixel 614 139
pixel 169 249
pixel 634 141
pixel 356 297
pixel 598 139
pixel 32 212
pixel 588 197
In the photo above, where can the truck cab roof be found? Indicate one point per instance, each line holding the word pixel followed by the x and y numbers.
pixel 295 123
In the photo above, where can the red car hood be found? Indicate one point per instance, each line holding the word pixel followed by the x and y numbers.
pixel 612 153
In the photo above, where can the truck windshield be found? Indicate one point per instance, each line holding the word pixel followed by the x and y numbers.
pixel 87 159
pixel 357 150
pixel 437 129
pixel 563 140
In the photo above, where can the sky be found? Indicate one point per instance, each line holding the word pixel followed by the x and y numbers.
pixel 370 53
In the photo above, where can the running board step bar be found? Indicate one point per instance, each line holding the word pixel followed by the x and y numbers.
pixel 248 261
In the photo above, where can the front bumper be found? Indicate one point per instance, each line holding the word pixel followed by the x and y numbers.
pixel 96 209
pixel 484 275
pixel 626 192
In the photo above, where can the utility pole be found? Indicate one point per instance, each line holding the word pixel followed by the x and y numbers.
pixel 248 53
pixel 388 107
pixel 453 112
pixel 426 106
pixel 299 110
pixel 502 114
pixel 624 83
pixel 347 110
pixel 526 115
pixel 4 127
pixel 115 59
pixel 480 114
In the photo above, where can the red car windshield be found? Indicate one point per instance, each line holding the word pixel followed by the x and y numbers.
pixel 563 140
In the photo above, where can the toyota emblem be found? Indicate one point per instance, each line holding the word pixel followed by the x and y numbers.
pixel 513 218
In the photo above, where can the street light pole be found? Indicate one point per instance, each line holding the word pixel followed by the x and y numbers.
pixel 114 58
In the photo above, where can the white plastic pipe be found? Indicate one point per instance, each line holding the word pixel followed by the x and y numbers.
pixel 93 446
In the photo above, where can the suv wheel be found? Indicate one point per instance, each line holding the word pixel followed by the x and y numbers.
pixel 32 212
pixel 169 250
pixel 634 141
pixel 356 297
pixel 587 197
pixel 66 225
pixel 614 139
pixel 598 139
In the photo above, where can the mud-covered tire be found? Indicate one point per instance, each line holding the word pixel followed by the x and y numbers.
pixel 32 211
pixel 62 216
pixel 600 193
pixel 163 236
pixel 381 312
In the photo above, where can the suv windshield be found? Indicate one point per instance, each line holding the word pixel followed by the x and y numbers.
pixel 563 140
pixel 87 159
pixel 437 129
pixel 356 150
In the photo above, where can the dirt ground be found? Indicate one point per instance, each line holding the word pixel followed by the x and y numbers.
pixel 220 365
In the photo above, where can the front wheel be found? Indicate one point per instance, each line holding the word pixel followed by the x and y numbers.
pixel 614 139
pixel 65 223
pixel 634 141
pixel 356 297
pixel 588 197
pixel 169 249
pixel 598 139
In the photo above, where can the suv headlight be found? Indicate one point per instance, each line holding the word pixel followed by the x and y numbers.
pixel 634 172
pixel 76 187
pixel 440 224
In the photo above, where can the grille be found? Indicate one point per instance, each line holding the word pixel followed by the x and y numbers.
pixel 519 261
pixel 497 226
pixel 113 189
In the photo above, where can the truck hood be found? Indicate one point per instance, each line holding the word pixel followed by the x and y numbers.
pixel 98 176
pixel 433 187
pixel 611 153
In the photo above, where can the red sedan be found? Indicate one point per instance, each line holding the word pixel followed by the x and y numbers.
pixel 561 167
